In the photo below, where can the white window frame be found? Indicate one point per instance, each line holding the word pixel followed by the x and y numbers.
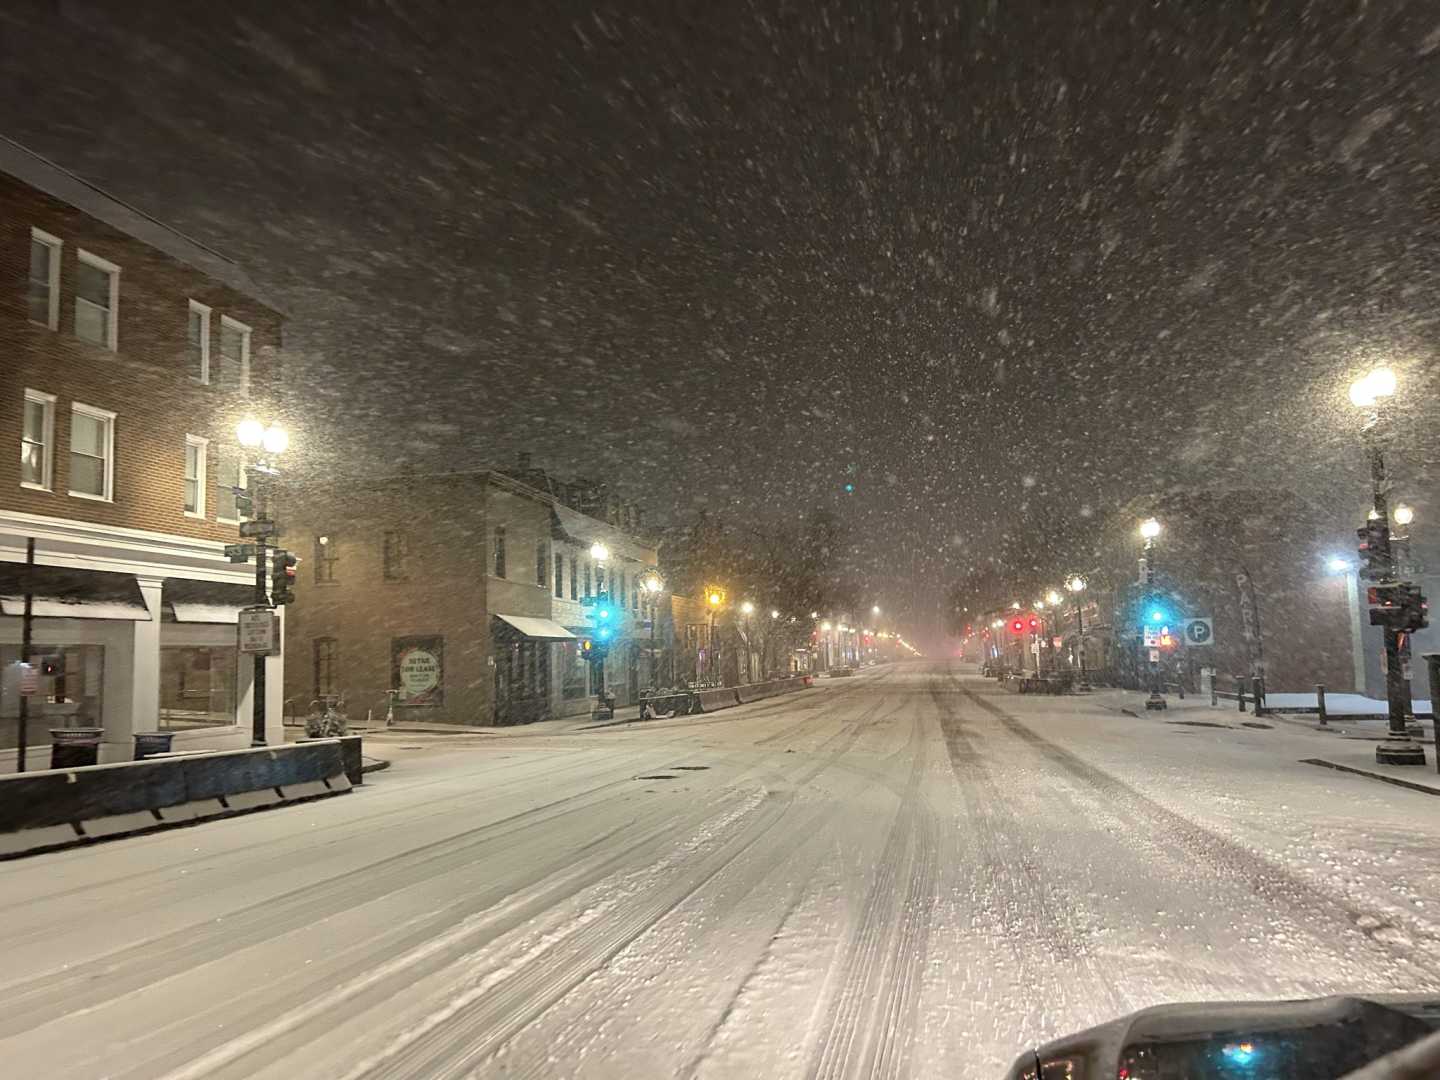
pixel 109 418
pixel 202 452
pixel 113 326
pixel 245 334
pixel 56 246
pixel 244 478
pixel 39 397
pixel 204 312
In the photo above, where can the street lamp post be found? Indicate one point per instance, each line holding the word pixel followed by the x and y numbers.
pixel 1150 530
pixel 714 599
pixel 653 583
pixel 1373 393
pixel 1076 585
pixel 272 440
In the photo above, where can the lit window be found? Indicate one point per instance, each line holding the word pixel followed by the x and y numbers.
pixel 198 343
pixel 44 291
pixel 97 289
pixel 92 452
pixel 37 436
pixel 195 448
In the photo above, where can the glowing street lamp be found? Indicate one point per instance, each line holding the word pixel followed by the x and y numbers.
pixel 1076 585
pixel 1372 387
pixel 747 608
pixel 599 552
pixel 1150 528
pixel 1403 515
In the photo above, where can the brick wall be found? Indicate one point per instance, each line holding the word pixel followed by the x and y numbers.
pixel 440 593
pixel 146 382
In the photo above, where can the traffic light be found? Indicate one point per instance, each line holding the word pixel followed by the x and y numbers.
pixel 282 578
pixel 1018 626
pixel 592 651
pixel 1399 606
pixel 1374 550
pixel 1034 624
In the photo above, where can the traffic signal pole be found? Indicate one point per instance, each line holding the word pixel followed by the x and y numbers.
pixel 1399 747
pixel 257 700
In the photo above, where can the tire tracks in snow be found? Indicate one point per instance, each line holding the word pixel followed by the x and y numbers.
pixel 1017 895
pixel 1230 860
pixel 872 1010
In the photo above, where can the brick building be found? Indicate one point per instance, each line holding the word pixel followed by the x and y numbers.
pixel 128 352
pixel 463 593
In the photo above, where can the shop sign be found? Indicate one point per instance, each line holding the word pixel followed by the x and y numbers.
pixel 418 668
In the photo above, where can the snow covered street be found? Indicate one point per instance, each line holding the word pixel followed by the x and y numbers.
pixel 905 873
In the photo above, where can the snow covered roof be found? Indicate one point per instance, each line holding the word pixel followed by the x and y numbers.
pixel 44 175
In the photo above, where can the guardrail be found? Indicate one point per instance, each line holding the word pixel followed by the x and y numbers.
pixel 56 807
pixel 684 702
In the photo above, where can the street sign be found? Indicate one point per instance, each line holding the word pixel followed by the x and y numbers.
pixel 29 679
pixel 1199 632
pixel 259 528
pixel 1152 636
pixel 238 553
pixel 258 626
pixel 1154 656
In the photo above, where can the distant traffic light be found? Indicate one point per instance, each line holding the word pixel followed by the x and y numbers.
pixel 1018 626
pixel 282 578
pixel 1034 624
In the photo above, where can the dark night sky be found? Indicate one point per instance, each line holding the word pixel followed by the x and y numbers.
pixel 987 261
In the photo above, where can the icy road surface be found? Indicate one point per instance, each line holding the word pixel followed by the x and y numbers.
pixel 907 873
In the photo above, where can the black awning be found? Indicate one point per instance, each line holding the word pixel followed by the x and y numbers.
pixel 67 592
pixel 192 600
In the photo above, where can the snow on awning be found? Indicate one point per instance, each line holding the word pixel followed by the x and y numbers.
pixel 541 629
pixel 66 592
pixel 195 601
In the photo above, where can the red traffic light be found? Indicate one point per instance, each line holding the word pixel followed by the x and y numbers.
pixel 1018 626
pixel 1034 624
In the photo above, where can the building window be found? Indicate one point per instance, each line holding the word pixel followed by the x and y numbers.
pixel 45 279
pixel 327 660
pixel 542 559
pixel 233 370
pixel 620 592
pixel 197 686
pixel 229 475
pixel 327 554
pixel 37 436
pixel 574 577
pixel 92 452
pixel 97 293
pixel 559 576
pixel 599 579
pixel 396 549
pixel 587 581
pixel 499 551
pixel 72 697
pixel 195 448
pixel 198 343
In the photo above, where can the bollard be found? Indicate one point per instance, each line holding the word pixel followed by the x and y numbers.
pixel 1180 689
pixel 1257 691
pixel 1320 702
pixel 1240 693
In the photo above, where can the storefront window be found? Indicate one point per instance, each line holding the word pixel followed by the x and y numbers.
pixel 70 696
pixel 197 686
pixel 576 671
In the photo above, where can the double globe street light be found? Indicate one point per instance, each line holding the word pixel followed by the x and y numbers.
pixel 1373 392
